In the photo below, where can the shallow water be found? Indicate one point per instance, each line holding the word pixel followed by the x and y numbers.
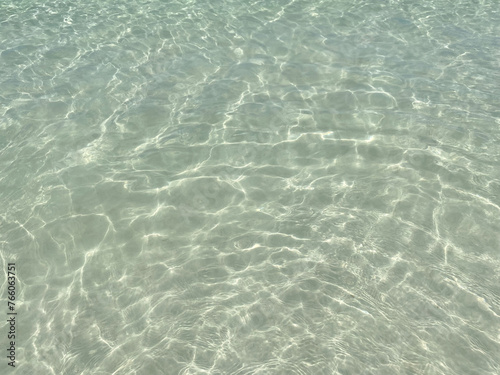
pixel 284 187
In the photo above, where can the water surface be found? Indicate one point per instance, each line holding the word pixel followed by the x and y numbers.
pixel 267 187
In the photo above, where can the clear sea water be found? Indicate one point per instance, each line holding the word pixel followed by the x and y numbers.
pixel 251 187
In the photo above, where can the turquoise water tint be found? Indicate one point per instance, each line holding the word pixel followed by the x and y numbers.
pixel 237 187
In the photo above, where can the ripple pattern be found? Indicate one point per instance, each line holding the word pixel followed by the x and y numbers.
pixel 243 188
